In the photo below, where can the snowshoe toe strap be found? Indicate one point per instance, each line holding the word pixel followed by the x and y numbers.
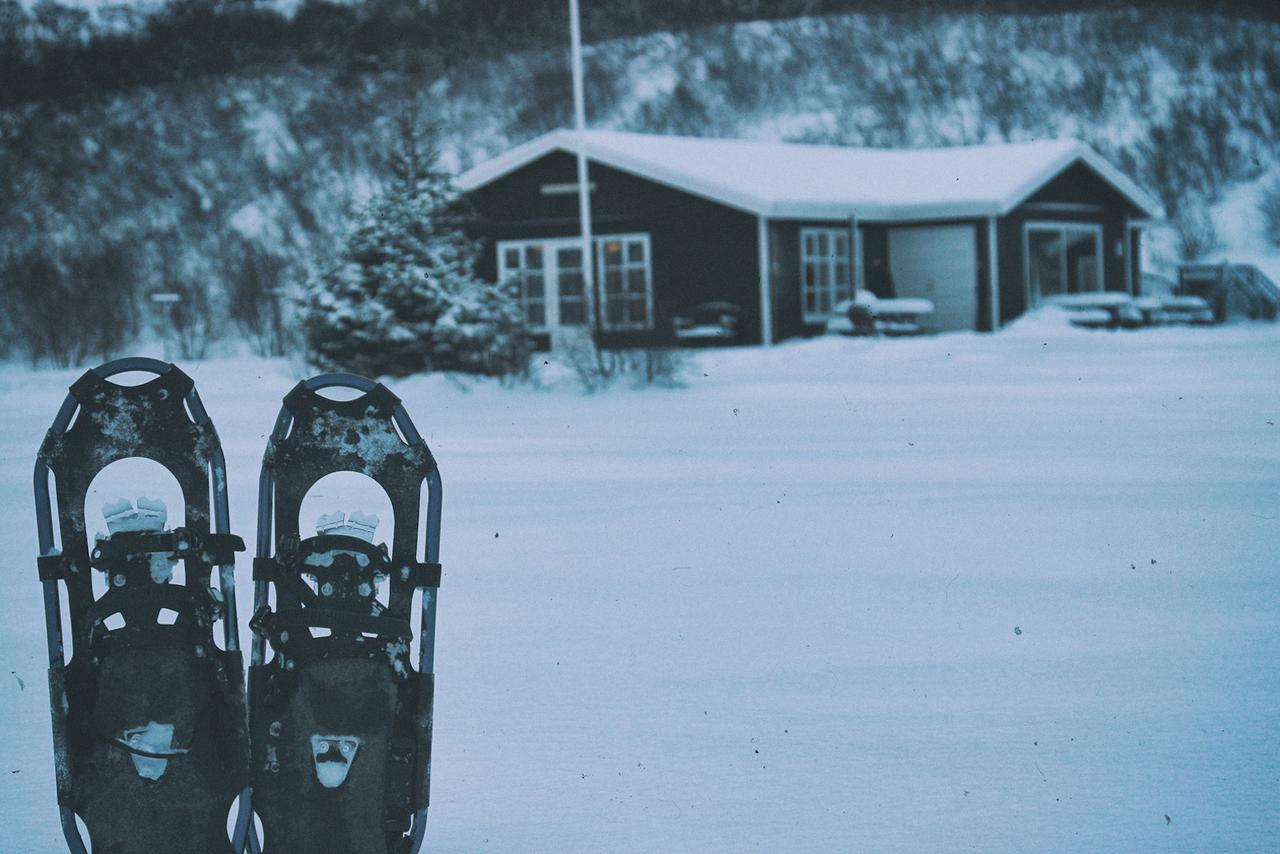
pixel 183 543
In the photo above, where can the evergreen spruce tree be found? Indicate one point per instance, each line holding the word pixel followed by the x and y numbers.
pixel 404 297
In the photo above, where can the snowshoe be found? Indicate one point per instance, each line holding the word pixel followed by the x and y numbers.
pixel 149 721
pixel 340 718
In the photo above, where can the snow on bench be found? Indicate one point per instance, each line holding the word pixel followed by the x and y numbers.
pixel 1111 310
pixel 866 314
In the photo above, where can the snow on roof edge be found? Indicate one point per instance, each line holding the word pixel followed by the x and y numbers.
pixel 597 149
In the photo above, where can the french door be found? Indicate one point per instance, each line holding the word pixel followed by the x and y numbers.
pixel 549 278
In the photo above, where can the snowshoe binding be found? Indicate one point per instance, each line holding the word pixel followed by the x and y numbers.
pixel 339 716
pixel 150 735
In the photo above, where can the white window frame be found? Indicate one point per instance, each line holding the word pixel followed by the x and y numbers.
pixel 1034 298
pixel 505 272
pixel 551 279
pixel 633 326
pixel 836 291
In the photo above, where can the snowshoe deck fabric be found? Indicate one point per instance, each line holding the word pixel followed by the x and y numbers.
pixel 150 731
pixel 340 718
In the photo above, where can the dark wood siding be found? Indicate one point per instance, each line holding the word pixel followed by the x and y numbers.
pixel 784 246
pixel 701 251
pixel 1080 195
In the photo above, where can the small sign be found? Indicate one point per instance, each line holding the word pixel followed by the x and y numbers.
pixel 166 297
pixel 566 189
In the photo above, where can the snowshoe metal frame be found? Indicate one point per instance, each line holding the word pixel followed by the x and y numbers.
pixel 315 436
pixel 149 421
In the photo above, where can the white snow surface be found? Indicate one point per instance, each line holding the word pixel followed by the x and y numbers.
pixel 790 179
pixel 999 593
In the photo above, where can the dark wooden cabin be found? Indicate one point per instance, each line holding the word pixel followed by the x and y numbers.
pixel 782 233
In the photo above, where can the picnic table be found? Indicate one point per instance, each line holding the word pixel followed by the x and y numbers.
pixel 1113 310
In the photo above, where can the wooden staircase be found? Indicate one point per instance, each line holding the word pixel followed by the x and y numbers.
pixel 1232 290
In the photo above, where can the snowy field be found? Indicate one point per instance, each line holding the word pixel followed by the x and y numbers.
pixel 1003 593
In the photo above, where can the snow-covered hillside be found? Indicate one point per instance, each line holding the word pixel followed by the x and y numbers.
pixel 998 593
pixel 227 187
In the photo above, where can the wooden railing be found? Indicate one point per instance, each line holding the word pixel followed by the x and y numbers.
pixel 1232 290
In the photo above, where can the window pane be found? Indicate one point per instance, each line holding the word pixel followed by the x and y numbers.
pixel 570 285
pixel 1044 246
pixel 535 314
pixel 1082 261
pixel 614 313
pixel 635 281
pixel 533 257
pixel 572 312
pixel 822 243
pixel 613 281
pixel 534 285
pixel 842 244
pixel 810 243
pixel 511 258
pixel 571 258
pixel 635 251
pixel 613 252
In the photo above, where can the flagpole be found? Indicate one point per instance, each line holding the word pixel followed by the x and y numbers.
pixel 584 188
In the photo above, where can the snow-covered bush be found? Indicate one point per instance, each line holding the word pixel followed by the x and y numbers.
pixel 403 297
pixel 1197 235
pixel 597 368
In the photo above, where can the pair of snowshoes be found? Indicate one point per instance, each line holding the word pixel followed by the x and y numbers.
pixel 155 737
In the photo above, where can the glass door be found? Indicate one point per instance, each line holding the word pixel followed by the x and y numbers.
pixel 1062 259
pixel 569 286
pixel 549 280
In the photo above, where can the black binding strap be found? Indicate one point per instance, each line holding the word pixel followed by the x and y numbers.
pixel 214 549
pixel 53 567
pixel 268 623
pixel 422 574
pixel 269 569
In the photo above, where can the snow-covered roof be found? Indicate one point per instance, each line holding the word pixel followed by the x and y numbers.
pixel 779 179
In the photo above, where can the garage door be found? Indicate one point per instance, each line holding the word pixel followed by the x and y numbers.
pixel 940 264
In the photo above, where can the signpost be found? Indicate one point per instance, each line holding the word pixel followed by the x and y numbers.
pixel 166 302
